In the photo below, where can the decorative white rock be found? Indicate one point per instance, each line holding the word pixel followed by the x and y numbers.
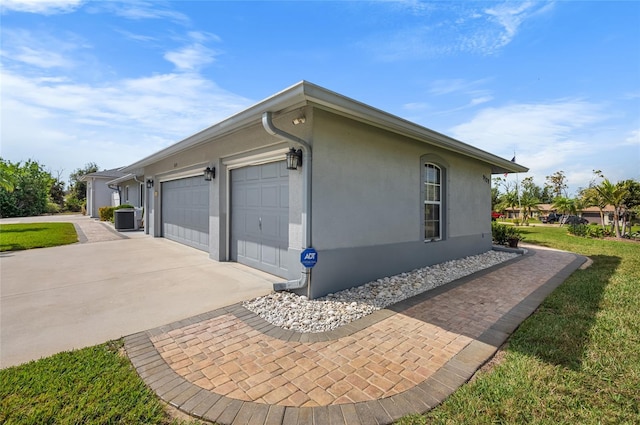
pixel 290 311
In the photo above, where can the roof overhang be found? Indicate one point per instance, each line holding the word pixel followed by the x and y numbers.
pixel 304 94
pixel 126 177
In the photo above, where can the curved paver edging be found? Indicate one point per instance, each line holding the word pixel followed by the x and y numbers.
pixel 196 401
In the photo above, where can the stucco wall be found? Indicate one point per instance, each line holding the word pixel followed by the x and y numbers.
pixel 367 187
pixel 368 205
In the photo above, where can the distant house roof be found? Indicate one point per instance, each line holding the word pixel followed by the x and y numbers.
pixel 106 174
pixel 549 207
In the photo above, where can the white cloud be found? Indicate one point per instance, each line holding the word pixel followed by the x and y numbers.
pixel 448 28
pixel 26 49
pixel 139 10
pixel 191 57
pixel 114 123
pixel 633 139
pixel 543 136
pixel 44 7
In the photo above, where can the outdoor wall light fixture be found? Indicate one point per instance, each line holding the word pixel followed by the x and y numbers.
pixel 209 173
pixel 294 159
pixel 149 184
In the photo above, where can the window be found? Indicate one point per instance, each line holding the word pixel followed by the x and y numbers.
pixel 126 194
pixel 432 202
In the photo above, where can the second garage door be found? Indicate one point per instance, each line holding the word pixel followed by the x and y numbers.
pixel 185 211
pixel 260 217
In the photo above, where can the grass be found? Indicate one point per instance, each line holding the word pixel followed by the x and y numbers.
pixel 95 385
pixel 575 360
pixel 15 237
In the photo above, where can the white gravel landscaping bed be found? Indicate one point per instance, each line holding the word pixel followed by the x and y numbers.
pixel 294 312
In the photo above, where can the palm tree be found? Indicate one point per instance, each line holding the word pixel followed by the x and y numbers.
pixel 613 195
pixel 528 204
pixel 592 198
pixel 564 205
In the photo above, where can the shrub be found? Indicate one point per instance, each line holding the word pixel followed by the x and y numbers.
pixel 586 231
pixel 53 208
pixel 73 204
pixel 106 213
pixel 502 233
pixel 119 207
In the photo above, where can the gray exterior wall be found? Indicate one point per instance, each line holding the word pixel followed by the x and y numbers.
pixel 368 204
pixel 98 195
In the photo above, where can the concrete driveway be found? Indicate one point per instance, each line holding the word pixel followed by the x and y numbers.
pixel 74 296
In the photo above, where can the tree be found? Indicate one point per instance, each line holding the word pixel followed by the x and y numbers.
pixel 31 187
pixel 564 205
pixel 614 195
pixel 78 188
pixel 558 183
pixel 7 176
pixel 592 198
pixel 529 198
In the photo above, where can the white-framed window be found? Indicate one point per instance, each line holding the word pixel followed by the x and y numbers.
pixel 126 194
pixel 141 190
pixel 433 202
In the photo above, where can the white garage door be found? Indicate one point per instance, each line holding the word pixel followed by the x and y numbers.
pixel 260 217
pixel 185 211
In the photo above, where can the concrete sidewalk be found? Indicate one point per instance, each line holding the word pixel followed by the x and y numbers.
pixel 73 296
pixel 231 367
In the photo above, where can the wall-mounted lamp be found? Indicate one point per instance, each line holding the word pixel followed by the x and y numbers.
pixel 149 184
pixel 209 173
pixel 294 159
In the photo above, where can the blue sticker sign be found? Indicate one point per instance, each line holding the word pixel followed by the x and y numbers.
pixel 309 257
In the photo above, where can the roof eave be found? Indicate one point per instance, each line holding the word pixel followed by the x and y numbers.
pixel 305 93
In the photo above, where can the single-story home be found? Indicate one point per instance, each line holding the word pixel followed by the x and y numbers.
pixel 100 192
pixel 372 193
pixel 592 214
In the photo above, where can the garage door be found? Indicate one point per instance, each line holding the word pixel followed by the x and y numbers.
pixel 260 217
pixel 185 211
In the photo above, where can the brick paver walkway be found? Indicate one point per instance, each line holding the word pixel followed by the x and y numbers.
pixel 232 367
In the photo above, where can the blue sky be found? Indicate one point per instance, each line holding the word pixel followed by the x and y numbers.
pixel 110 82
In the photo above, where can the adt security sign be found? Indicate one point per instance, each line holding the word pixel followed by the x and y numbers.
pixel 309 257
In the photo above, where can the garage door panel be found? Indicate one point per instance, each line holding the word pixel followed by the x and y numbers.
pixel 260 217
pixel 185 211
pixel 252 196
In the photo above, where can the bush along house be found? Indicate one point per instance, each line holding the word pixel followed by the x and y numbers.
pixel 372 194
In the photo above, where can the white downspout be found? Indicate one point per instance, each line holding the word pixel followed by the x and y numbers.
pixel 267 123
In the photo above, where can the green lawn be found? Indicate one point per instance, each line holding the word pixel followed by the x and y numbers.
pixel 15 237
pixel 95 385
pixel 576 360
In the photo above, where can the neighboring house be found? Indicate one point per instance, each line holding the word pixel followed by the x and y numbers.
pixel 131 189
pixel 592 214
pixel 374 194
pixel 99 191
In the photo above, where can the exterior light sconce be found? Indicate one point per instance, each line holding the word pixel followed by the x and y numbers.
pixel 294 159
pixel 209 173
pixel 149 184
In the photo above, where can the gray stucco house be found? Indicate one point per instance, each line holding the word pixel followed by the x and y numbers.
pixel 100 193
pixel 374 194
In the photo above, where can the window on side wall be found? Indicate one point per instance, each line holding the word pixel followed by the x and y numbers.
pixel 433 202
